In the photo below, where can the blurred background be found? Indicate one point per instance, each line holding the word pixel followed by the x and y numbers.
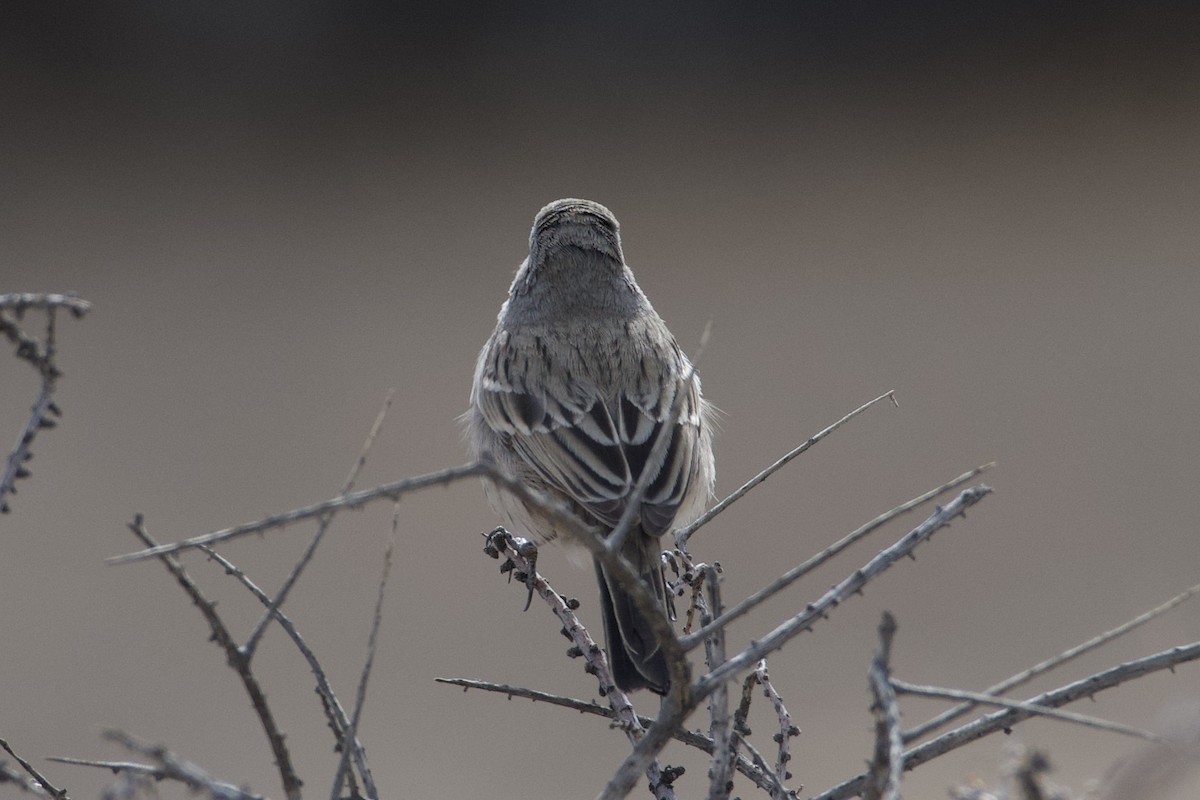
pixel 282 210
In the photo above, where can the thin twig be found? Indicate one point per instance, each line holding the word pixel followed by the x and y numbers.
pixel 390 491
pixel 221 635
pixel 175 768
pixel 189 774
pixel 350 745
pixel 799 571
pixel 322 526
pixel 760 776
pixel 984 699
pixel 682 536
pixel 887 764
pixel 1025 676
pixel 1006 719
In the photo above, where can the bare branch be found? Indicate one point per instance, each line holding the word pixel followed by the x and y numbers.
pixel 759 775
pixel 840 591
pixel 1027 675
pixel 683 535
pixel 1006 719
pixel 671 715
pixel 887 764
pixel 522 554
pixel 239 664
pixel 799 571
pixel 681 701
pixel 338 721
pixel 44 413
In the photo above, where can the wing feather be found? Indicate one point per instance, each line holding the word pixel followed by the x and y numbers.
pixel 591 445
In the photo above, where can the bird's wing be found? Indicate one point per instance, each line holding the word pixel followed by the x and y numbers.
pixel 592 445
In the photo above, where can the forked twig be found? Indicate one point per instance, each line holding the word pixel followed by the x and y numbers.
pixel 338 721
pixel 239 664
pixel 322 526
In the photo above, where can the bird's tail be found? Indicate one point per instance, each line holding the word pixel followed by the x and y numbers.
pixel 633 653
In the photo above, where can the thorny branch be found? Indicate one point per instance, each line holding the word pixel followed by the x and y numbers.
pixel 41 356
pixel 675 709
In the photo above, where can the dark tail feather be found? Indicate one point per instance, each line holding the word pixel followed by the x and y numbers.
pixel 636 659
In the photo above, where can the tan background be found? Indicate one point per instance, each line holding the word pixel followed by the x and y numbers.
pixel 281 212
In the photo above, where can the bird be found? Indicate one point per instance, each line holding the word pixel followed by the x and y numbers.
pixel 570 394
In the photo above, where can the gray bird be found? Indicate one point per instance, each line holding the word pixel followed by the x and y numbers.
pixel 570 393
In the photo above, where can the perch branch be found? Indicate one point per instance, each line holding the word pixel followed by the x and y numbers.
pixel 674 709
